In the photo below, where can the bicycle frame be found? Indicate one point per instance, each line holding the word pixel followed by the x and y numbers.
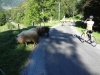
pixel 88 37
pixel 88 34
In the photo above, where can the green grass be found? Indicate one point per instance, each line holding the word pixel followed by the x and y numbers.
pixel 13 56
pixel 6 27
pixel 97 35
pixel 50 24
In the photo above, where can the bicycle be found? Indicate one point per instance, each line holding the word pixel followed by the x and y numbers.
pixel 88 38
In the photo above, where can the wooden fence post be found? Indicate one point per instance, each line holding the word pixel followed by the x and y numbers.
pixel 18 28
pixel 33 24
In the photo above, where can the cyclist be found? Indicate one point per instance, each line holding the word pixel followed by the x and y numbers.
pixel 63 20
pixel 89 21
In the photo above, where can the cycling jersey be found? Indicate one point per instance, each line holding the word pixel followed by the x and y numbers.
pixel 89 25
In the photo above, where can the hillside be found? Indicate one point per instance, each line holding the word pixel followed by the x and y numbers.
pixel 37 11
pixel 8 4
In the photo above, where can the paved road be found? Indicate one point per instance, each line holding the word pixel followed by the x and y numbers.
pixel 63 54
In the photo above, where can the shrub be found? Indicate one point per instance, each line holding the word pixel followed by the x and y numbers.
pixel 2 18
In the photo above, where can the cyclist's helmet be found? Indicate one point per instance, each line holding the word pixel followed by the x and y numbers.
pixel 91 17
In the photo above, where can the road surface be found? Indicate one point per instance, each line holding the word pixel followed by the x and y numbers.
pixel 63 54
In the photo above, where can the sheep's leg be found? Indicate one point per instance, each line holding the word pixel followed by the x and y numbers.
pixel 25 43
pixel 47 35
pixel 35 43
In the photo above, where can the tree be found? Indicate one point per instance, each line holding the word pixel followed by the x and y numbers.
pixel 91 7
pixel 2 18
pixel 44 10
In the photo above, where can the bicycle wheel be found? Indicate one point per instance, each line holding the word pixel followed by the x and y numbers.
pixel 93 41
pixel 84 37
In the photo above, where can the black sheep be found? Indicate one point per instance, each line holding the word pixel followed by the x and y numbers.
pixel 43 30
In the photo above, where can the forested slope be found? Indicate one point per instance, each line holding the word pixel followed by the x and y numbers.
pixel 44 10
pixel 8 4
pixel 92 7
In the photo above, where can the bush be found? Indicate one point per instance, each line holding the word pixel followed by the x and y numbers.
pixel 2 18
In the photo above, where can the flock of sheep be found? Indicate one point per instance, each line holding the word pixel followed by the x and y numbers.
pixel 32 35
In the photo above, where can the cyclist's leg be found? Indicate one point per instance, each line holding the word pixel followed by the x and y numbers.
pixel 90 33
pixel 62 23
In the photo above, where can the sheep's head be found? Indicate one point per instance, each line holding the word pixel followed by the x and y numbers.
pixel 42 30
pixel 16 39
pixel 46 30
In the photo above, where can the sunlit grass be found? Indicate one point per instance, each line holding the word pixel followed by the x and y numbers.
pixel 97 35
pixel 7 26
pixel 49 24
pixel 12 55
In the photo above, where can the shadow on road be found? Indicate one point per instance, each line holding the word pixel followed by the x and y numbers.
pixel 61 55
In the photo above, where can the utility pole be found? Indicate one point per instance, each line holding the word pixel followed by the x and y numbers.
pixel 59 11
pixel 43 13
pixel 73 11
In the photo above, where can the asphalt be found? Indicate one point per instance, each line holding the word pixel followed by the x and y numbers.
pixel 63 54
